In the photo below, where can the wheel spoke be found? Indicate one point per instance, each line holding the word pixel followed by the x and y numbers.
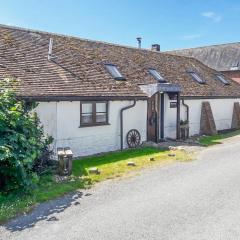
pixel 133 138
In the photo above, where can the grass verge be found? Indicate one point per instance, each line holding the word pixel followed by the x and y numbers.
pixel 217 139
pixel 18 203
pixel 111 165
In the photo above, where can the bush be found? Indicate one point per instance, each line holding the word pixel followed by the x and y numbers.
pixel 45 164
pixel 21 141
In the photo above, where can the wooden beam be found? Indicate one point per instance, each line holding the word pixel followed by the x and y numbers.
pixel 162 116
pixel 178 117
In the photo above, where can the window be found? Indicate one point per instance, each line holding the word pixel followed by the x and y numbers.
pixel 222 79
pixel 156 75
pixel 112 69
pixel 197 78
pixel 93 113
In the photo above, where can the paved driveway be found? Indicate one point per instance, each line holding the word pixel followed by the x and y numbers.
pixel 194 200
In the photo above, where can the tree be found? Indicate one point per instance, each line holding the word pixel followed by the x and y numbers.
pixel 21 140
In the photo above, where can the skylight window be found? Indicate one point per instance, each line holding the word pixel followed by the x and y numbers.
pixel 197 78
pixel 222 79
pixel 112 69
pixel 156 75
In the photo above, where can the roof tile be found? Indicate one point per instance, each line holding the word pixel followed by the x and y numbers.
pixel 78 70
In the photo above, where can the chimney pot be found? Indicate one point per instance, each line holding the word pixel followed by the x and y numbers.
pixel 156 47
pixel 139 39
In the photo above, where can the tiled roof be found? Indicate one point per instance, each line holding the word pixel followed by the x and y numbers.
pixel 221 57
pixel 78 70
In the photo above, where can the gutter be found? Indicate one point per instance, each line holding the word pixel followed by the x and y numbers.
pixel 209 97
pixel 80 98
pixel 121 121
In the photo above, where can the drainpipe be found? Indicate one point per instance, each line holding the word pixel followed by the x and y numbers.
pixel 121 120
pixel 187 108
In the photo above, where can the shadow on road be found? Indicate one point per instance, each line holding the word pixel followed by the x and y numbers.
pixel 44 211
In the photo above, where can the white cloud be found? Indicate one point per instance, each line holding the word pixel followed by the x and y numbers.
pixel 212 16
pixel 191 36
pixel 9 24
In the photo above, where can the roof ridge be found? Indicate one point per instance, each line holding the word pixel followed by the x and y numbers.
pixel 75 37
pixel 88 40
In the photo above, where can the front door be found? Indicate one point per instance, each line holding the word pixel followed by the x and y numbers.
pixel 152 119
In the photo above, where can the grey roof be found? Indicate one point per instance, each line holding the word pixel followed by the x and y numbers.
pixel 222 57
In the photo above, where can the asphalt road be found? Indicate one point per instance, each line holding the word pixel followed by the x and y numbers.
pixel 194 200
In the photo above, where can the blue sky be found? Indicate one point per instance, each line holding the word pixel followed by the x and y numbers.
pixel 173 24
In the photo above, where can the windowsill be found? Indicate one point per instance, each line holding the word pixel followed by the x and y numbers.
pixel 94 125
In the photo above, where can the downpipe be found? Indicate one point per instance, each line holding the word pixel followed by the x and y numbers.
pixel 121 121
pixel 187 108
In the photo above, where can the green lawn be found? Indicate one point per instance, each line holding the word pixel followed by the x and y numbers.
pixel 217 139
pixel 111 165
pixel 47 189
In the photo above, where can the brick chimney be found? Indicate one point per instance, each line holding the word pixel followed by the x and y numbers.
pixel 156 47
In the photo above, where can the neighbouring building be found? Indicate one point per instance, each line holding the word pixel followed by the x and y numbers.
pixel 224 58
pixel 96 97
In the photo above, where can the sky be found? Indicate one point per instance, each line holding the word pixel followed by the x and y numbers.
pixel 174 24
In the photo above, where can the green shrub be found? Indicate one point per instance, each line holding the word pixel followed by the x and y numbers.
pixel 21 141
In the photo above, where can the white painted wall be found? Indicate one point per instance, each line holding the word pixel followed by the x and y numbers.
pixel 62 120
pixel 222 112
pixel 47 113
